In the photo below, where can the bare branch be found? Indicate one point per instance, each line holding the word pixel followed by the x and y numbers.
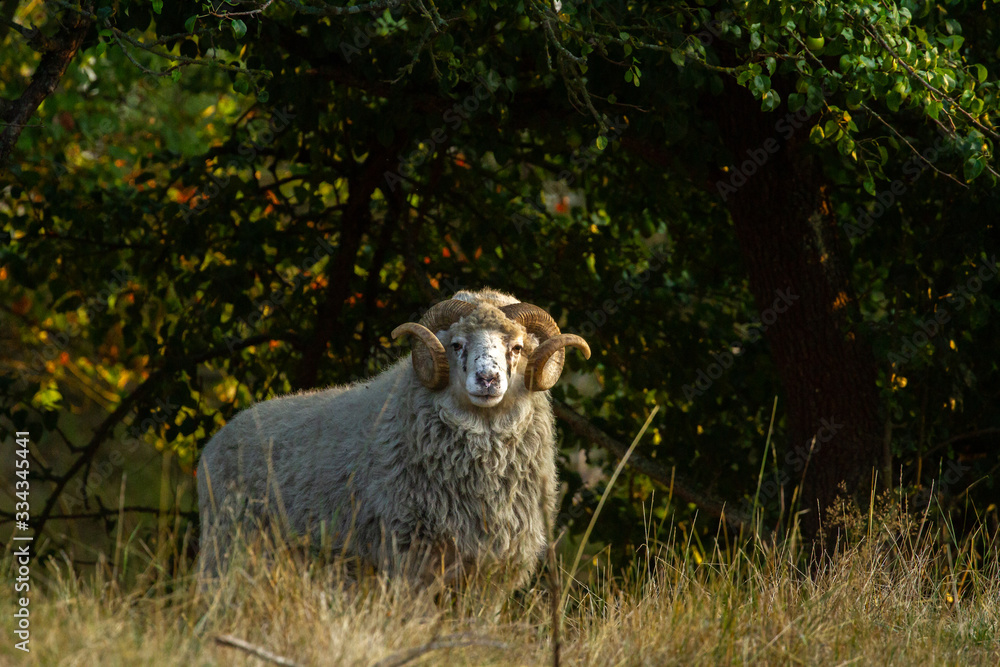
pixel 128 402
pixel 249 12
pixel 257 651
pixel 105 513
pixel 910 146
pixel 182 61
pixel 451 641
pixel 55 59
pixel 328 10
pixel 30 34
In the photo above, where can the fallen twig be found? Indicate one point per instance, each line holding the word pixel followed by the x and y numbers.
pixel 451 641
pixel 262 653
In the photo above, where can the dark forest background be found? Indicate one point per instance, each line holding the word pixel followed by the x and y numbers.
pixel 766 218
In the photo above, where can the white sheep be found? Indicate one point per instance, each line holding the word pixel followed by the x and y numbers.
pixel 444 462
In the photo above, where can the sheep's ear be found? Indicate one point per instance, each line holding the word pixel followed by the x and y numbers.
pixel 546 363
pixel 430 362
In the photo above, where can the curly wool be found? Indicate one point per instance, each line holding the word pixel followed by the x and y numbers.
pixel 386 465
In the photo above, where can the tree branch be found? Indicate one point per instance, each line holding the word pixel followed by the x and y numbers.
pixel 61 50
pixel 329 10
pixel 254 650
pixel 88 452
pixel 105 513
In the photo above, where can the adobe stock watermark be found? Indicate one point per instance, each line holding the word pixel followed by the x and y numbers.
pixel 913 169
pixel 625 288
pixel 21 556
pixel 795 462
pixel 949 475
pixel 453 118
pixel 786 127
pixel 57 342
pixel 932 326
pixel 715 28
pixel 95 141
pixel 276 297
pixel 582 159
pixel 724 360
pixel 362 37
pixel 76 493
pixel 247 153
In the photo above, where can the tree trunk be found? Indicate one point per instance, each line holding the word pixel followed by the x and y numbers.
pixel 789 240
pixel 355 222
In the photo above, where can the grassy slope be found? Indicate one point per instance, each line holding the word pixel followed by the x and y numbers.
pixel 888 598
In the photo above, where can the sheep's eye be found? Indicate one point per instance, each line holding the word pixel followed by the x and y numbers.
pixel 516 349
pixel 456 346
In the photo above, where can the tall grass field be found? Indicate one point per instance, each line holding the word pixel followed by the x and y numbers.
pixel 897 589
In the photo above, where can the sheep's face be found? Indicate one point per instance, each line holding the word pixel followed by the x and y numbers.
pixel 486 351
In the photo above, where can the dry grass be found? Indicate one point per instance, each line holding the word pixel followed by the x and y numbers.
pixel 898 593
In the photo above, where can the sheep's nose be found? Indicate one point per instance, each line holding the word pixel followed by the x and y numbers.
pixel 487 379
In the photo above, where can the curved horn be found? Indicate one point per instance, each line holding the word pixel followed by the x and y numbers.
pixel 540 375
pixel 431 366
pixel 430 362
pixel 443 315
pixel 536 320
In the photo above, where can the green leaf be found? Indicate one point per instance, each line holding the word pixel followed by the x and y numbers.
pixel 893 100
pixel 761 84
pixel 239 28
pixel 241 85
pixel 952 43
pixel 973 167
pixel 157 6
pixel 845 145
pixel 189 24
pixel 602 142
pixel 980 72
pixel 770 100
pixel 869 185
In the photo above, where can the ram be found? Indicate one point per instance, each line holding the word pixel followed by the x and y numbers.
pixel 443 463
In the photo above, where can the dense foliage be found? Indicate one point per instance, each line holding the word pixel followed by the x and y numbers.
pixel 221 202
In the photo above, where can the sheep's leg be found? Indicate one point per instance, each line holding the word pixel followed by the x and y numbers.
pixel 221 526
